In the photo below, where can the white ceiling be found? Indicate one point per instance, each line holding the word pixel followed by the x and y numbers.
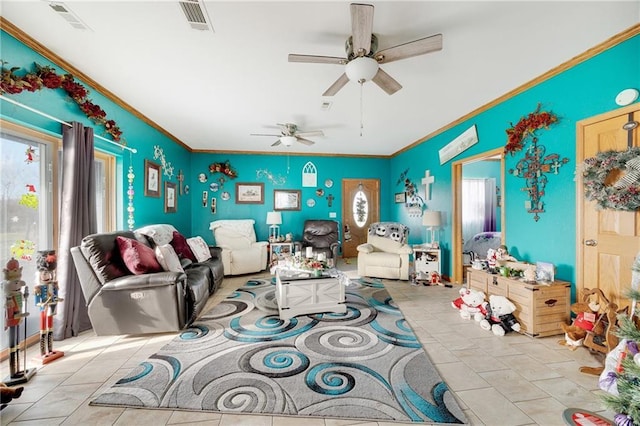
pixel 212 89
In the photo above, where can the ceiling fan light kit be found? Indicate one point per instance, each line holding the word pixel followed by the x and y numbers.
pixel 288 140
pixel 361 69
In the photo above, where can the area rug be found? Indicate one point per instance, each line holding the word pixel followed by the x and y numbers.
pixel 365 364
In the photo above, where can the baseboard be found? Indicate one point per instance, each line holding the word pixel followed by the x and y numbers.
pixel 31 340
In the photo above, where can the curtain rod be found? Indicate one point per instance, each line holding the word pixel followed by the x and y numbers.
pixel 44 114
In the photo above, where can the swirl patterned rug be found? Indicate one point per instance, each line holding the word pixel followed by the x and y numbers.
pixel 241 358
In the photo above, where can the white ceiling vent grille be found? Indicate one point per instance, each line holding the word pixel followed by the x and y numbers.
pixel 68 15
pixel 196 15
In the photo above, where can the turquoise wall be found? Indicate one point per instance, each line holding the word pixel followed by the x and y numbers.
pixel 583 91
pixel 289 168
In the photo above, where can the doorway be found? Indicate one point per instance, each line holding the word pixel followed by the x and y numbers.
pixel 607 240
pixel 360 208
pixel 457 240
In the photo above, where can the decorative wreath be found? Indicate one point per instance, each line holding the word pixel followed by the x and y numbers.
pixel 623 194
pixel 224 168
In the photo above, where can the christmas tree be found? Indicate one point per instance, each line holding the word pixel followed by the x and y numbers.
pixel 624 396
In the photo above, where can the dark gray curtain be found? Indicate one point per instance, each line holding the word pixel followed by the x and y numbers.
pixel 77 219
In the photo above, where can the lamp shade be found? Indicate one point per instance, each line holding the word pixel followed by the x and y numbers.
pixel 274 218
pixel 431 218
pixel 361 69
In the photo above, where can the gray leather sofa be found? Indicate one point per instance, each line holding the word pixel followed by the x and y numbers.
pixel 120 302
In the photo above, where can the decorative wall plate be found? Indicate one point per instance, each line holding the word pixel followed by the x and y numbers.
pixel 202 177
pixel 627 97
pixel 319 192
pixel 328 183
pixel 186 189
pixel 311 202
pixel 214 186
pixel 225 196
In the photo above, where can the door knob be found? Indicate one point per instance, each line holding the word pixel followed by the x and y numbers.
pixel 591 243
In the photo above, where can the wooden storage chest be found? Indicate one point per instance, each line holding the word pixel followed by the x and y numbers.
pixel 541 308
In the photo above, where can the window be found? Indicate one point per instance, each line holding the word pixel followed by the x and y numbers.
pixel 29 208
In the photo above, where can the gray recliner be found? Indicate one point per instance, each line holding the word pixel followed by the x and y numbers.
pixel 120 302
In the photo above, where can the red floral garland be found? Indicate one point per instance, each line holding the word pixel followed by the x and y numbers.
pixel 46 77
pixel 526 127
pixel 224 168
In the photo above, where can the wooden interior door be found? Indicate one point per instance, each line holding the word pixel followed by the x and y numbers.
pixel 607 240
pixel 354 232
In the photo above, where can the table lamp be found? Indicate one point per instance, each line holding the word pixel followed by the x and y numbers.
pixel 275 220
pixel 431 219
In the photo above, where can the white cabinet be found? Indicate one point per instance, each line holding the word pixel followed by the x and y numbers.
pixel 426 260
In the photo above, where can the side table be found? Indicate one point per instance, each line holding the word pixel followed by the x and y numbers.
pixel 278 251
pixel 426 259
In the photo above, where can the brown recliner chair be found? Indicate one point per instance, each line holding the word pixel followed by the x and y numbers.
pixel 322 236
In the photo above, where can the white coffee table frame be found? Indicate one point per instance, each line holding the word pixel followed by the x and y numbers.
pixel 308 295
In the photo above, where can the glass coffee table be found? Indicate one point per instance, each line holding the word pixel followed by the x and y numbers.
pixel 305 293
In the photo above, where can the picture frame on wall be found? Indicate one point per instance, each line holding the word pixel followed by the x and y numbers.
pixel 214 205
pixel 401 197
pixel 170 197
pixel 250 193
pixel 286 199
pixel 152 179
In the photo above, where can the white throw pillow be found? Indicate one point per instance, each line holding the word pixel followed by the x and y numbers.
pixel 168 259
pixel 199 248
pixel 160 234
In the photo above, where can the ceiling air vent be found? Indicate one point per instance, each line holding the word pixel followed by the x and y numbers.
pixel 196 15
pixel 68 15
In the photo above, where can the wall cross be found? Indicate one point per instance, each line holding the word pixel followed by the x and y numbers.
pixel 427 180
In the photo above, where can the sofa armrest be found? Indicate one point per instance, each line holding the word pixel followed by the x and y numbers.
pixel 405 249
pixel 259 244
pixel 135 282
pixel 366 248
pixel 216 252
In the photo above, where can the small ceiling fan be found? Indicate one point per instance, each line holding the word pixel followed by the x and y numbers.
pixel 289 134
pixel 363 58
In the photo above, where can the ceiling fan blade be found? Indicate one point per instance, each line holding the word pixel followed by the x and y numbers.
pixel 386 82
pixel 337 85
pixel 263 134
pixel 313 59
pixel 412 48
pixel 361 27
pixel 305 141
pixel 311 133
pixel 276 143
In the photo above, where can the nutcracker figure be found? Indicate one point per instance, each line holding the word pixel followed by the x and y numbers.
pixel 14 313
pixel 46 294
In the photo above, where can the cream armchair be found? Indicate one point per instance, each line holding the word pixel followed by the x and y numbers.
pixel 241 253
pixel 386 252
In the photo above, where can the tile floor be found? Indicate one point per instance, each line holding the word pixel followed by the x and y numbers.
pixel 510 380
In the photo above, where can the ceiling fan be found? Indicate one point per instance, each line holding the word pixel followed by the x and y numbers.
pixel 363 58
pixel 289 134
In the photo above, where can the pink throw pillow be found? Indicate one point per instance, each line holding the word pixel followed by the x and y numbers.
pixel 138 258
pixel 179 244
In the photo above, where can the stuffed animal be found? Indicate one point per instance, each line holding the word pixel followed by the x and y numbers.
pixel 499 318
pixel 586 320
pixel 470 303
pixel 8 393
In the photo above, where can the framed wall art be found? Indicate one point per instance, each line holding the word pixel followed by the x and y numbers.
pixel 286 199
pixel 170 197
pixel 250 193
pixel 152 178
pixel 401 197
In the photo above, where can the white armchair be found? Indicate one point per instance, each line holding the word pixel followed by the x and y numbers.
pixel 241 253
pixel 386 252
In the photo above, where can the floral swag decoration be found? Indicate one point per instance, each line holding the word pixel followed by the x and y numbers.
pixel 624 194
pixel 527 126
pixel 46 77
pixel 224 168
